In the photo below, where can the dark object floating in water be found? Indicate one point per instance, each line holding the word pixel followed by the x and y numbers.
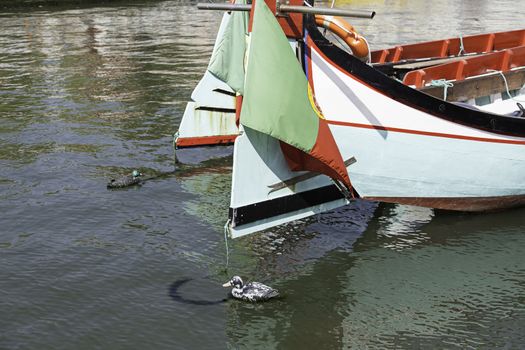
pixel 252 291
pixel 125 181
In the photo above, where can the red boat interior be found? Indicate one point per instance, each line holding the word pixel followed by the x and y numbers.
pixel 465 66
pixel 451 47
pixel 459 69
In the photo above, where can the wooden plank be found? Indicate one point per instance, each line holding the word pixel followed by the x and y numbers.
pixel 432 62
pixel 479 86
pixel 451 47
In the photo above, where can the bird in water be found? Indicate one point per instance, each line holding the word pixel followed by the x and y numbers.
pixel 125 181
pixel 252 291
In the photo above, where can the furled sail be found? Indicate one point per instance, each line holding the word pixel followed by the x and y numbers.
pixel 210 117
pixel 227 60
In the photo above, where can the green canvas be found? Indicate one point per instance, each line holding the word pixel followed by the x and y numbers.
pixel 227 62
pixel 276 90
pixel 276 101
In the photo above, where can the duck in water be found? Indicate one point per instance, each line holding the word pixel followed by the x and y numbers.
pixel 125 181
pixel 252 291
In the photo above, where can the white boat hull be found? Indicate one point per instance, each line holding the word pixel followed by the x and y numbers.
pixel 425 152
pixel 402 151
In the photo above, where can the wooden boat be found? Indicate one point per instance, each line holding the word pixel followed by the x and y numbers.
pixel 210 120
pixel 377 138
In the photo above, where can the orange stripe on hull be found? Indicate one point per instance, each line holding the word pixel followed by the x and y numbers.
pixel 185 142
pixel 425 133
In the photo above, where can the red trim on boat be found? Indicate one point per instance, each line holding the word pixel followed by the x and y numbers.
pixel 425 133
pixel 451 47
pixel 183 142
pixel 238 106
pixel 291 23
pixel 468 67
pixel 472 204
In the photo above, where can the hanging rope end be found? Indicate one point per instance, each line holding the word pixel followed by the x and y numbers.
pixel 227 233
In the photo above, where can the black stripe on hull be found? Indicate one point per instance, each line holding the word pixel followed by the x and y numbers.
pixel 215 109
pixel 283 205
pixel 495 123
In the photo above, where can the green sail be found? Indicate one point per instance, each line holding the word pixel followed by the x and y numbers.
pixel 227 62
pixel 276 101
pixel 276 90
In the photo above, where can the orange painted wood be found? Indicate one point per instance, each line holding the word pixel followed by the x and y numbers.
pixel 449 71
pixel 451 47
pixel 238 106
pixel 291 23
pixel 346 32
pixel 430 49
pixel 506 40
pixel 517 58
pixel 468 67
pixel 379 56
pixel 183 142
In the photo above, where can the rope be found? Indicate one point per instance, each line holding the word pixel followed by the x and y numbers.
pixel 461 46
pixel 175 137
pixel 226 231
pixel 344 191
pixel 506 84
pixel 442 83
pixel 369 59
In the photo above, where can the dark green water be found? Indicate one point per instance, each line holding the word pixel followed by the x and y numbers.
pixel 91 92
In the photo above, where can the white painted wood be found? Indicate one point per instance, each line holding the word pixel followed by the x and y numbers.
pixel 202 123
pixel 343 98
pixel 258 163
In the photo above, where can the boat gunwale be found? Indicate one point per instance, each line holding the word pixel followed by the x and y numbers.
pixel 378 81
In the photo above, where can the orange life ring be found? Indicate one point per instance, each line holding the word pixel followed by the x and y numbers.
pixel 345 31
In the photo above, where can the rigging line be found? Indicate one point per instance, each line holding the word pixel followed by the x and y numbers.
pixel 506 84
pixel 369 60
pixel 175 138
pixel 443 83
pixel 344 191
pixel 226 231
pixel 461 46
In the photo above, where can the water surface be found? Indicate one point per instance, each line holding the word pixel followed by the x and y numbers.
pixel 92 91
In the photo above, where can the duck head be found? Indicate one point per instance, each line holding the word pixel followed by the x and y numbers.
pixel 235 282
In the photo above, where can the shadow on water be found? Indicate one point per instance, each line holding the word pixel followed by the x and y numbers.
pixel 174 293
pixel 215 166
pixel 399 276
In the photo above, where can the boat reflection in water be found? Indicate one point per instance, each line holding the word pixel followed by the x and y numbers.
pixel 404 276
